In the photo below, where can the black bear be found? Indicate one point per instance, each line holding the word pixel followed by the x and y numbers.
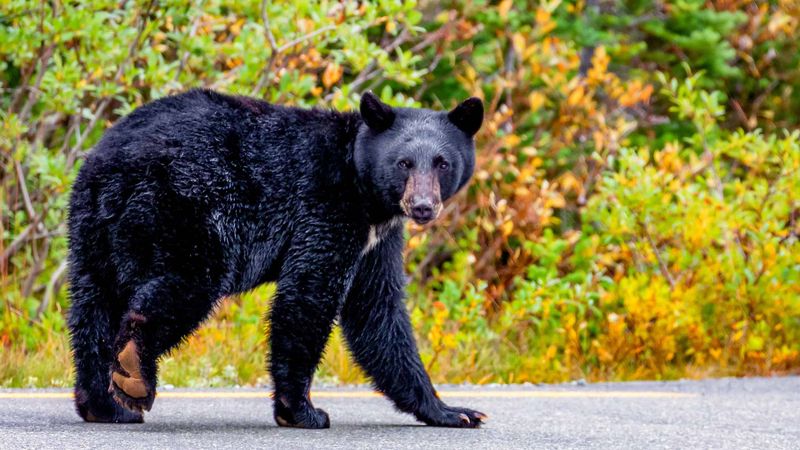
pixel 201 195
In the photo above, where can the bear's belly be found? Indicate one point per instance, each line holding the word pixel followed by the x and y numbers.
pixel 254 251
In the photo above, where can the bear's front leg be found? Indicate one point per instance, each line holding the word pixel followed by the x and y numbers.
pixel 313 282
pixel 378 330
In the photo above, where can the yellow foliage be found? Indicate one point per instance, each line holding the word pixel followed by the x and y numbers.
pixel 333 73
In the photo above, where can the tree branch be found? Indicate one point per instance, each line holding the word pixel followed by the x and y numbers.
pixel 24 189
pixel 662 266
pixel 267 30
pixel 53 286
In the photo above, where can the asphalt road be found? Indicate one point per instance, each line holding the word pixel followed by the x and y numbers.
pixel 727 413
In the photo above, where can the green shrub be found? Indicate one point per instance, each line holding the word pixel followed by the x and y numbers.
pixel 619 225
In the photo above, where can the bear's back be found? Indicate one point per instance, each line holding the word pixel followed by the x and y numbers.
pixel 206 149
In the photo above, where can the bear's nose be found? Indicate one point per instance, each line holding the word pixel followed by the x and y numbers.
pixel 422 212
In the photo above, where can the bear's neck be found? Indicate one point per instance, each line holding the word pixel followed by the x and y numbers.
pixel 373 205
pixel 346 126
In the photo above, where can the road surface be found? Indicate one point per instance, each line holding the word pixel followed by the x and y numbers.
pixel 726 413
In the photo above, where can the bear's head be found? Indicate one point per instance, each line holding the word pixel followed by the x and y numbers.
pixel 415 159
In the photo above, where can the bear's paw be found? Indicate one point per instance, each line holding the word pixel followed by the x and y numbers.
pixel 128 386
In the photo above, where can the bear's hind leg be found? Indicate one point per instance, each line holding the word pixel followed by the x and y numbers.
pixel 92 329
pixel 162 313
pixel 133 384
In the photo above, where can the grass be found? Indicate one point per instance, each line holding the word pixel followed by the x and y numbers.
pixel 50 365
pixel 230 349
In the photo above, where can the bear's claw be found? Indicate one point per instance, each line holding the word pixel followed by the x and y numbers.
pixel 448 416
pixel 134 404
pixel 128 387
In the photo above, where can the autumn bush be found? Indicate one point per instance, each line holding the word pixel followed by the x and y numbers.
pixel 634 213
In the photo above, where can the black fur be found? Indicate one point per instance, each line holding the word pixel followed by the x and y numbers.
pixel 198 196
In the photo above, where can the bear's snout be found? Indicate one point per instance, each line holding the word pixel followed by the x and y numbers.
pixel 422 198
pixel 422 212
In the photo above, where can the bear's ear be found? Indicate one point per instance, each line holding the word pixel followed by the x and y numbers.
pixel 468 116
pixel 376 114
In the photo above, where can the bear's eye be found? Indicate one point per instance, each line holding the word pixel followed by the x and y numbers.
pixel 443 165
pixel 404 164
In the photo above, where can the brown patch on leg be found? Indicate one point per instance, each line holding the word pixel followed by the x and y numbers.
pixel 132 384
